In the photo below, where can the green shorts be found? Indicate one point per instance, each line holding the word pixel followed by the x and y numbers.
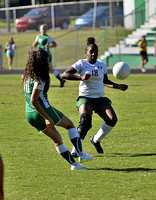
pixel 37 121
pixel 95 103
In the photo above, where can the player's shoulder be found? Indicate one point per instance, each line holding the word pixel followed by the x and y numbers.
pixel 99 62
pixel 81 61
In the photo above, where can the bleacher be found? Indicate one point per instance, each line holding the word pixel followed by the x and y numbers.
pixel 128 51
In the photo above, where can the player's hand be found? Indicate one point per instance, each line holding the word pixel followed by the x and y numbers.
pixel 46 46
pixel 86 76
pixel 122 87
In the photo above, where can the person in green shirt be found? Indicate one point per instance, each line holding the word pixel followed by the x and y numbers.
pixel 44 117
pixel 44 42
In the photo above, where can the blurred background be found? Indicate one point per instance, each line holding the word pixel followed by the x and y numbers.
pixel 117 26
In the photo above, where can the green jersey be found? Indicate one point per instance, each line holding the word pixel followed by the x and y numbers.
pixel 29 85
pixel 42 40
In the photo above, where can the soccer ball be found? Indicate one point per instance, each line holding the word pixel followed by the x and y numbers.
pixel 121 70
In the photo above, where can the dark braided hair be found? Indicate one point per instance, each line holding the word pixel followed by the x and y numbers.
pixel 37 67
pixel 90 43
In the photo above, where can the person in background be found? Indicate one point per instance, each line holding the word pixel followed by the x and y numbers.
pixel 92 75
pixel 44 117
pixel 44 42
pixel 1 179
pixel 10 51
pixel 143 53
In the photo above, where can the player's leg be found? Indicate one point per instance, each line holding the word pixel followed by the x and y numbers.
pixel 56 74
pixel 74 138
pixel 145 59
pixel 85 123
pixel 1 178
pixel 61 148
pixel 10 62
pixel 142 63
pixel 108 115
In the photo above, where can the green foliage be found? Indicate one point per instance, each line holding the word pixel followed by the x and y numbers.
pixel 35 171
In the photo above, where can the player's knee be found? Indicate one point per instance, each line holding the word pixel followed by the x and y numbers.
pixel 85 124
pixel 112 122
pixel 70 125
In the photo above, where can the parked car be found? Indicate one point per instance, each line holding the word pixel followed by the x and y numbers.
pixel 35 17
pixel 102 17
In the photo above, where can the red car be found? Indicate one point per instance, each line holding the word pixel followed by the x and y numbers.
pixel 35 17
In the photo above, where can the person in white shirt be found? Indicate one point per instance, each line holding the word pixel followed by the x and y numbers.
pixel 92 75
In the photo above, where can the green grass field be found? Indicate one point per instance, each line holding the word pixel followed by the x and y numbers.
pixel 127 169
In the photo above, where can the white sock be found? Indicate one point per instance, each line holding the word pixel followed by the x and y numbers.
pixel 61 148
pixel 103 131
pixel 74 150
pixel 55 72
pixel 72 132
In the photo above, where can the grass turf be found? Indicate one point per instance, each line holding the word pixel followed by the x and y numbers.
pixel 35 171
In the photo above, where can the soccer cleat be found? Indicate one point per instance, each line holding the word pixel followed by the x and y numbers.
pixel 85 157
pixel 78 166
pixel 62 83
pixel 74 155
pixel 96 145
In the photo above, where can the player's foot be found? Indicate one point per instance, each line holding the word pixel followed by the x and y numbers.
pixel 62 83
pixel 75 155
pixel 143 70
pixel 96 145
pixel 77 166
pixel 85 157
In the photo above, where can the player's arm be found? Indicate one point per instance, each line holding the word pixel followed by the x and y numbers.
pixel 71 74
pixel 34 45
pixel 34 101
pixel 53 44
pixel 111 84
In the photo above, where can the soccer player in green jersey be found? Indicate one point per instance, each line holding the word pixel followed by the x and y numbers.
pixel 44 42
pixel 44 117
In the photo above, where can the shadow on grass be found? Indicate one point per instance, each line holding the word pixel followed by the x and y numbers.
pixel 129 155
pixel 127 170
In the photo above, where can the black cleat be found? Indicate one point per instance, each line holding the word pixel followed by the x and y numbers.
pixel 62 83
pixel 74 155
pixel 96 145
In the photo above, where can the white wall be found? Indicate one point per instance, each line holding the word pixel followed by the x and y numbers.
pixel 129 20
pixel 150 8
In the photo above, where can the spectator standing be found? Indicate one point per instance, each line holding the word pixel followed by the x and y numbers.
pixel 143 53
pixel 10 51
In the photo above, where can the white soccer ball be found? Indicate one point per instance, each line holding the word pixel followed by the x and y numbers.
pixel 121 70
